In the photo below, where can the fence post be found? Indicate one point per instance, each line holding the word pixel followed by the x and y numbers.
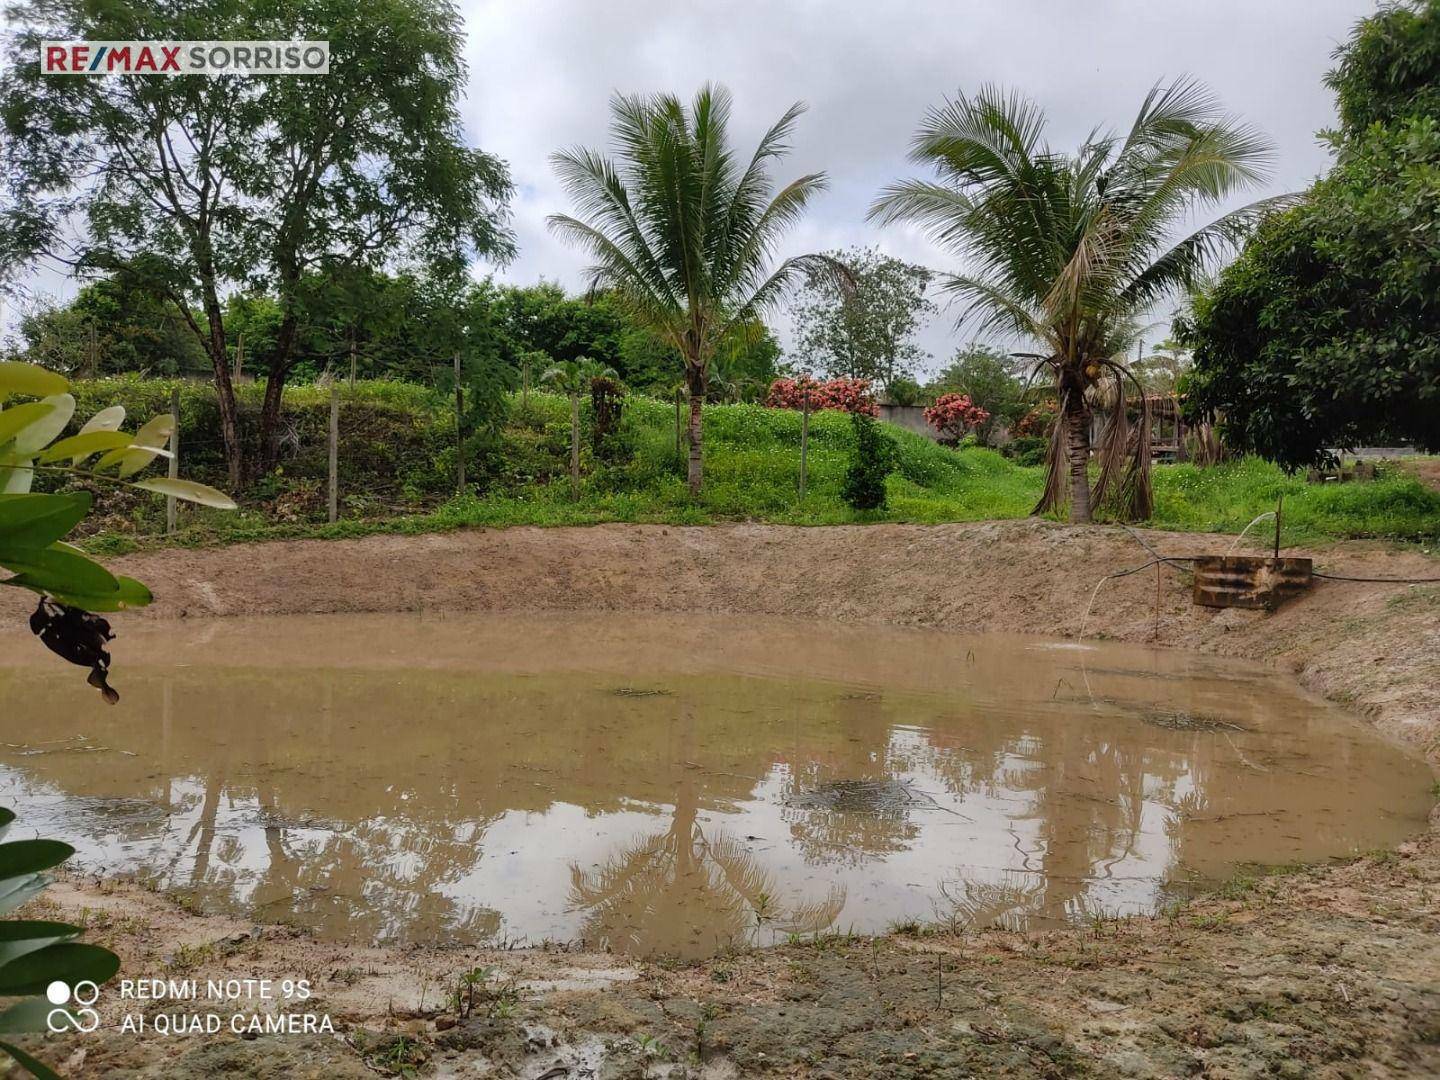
pixel 334 452
pixel 679 450
pixel 174 457
pixel 459 429
pixel 804 436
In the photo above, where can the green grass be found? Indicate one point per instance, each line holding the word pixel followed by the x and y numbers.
pixel 751 474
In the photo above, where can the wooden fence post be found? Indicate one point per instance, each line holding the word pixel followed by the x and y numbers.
pixel 804 436
pixel 459 430
pixel 174 458
pixel 679 450
pixel 334 452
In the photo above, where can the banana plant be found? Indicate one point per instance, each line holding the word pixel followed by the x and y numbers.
pixel 74 590
pixel 36 955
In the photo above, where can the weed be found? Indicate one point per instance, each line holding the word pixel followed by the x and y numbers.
pixel 398 1056
pixel 652 1047
pixel 186 957
pixel 483 987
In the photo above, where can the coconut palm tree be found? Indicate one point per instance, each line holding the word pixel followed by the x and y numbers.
pixel 683 230
pixel 1070 251
pixel 571 378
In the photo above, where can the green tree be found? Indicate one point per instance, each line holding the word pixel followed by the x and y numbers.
pixel 573 378
pixel 193 186
pixel 991 379
pixel 1325 332
pixel 682 229
pixel 1069 250
pixel 1163 368
pixel 1389 70
pixel 108 328
pixel 864 330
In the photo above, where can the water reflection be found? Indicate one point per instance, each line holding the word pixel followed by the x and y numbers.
pixel 674 786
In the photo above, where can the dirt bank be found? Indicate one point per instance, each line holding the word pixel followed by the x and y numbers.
pixel 1374 647
pixel 1330 971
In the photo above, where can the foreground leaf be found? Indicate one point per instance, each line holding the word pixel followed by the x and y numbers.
pixel 17 418
pixel 130 594
pixel 105 420
pixel 41 432
pixel 21 936
pixel 37 521
pixel 148 444
pixel 54 570
pixel 188 490
pixel 70 961
pixel 79 447
pixel 26 1016
pixel 37 1069
pixel 31 856
pixel 29 380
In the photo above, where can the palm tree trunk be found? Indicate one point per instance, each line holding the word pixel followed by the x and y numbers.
pixel 575 446
pixel 695 377
pixel 1077 447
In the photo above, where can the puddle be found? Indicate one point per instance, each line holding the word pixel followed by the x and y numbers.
pixel 677 785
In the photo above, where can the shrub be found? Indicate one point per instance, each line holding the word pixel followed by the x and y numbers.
pixel 843 395
pixel 905 391
pixel 1028 450
pixel 607 403
pixel 1039 422
pixel 953 415
pixel 875 452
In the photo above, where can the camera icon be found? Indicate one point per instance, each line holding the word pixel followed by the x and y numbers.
pixel 80 997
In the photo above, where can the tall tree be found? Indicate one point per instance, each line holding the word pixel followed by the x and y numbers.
pixel 1070 250
pixel 1325 333
pixel 110 327
pixel 683 230
pixel 991 379
pixel 863 332
pixel 194 185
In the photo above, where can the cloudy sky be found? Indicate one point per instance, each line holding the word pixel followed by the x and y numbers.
pixel 542 71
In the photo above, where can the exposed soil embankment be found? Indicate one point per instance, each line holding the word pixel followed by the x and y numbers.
pixel 1331 971
pixel 1375 647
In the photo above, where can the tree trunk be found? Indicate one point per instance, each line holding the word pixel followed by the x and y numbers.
pixel 1077 446
pixel 270 421
pixel 224 393
pixel 695 377
pixel 575 446
pixel 278 371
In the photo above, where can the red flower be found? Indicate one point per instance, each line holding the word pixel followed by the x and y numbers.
pixel 842 395
pixel 954 414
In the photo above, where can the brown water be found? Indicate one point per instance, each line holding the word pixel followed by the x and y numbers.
pixel 673 785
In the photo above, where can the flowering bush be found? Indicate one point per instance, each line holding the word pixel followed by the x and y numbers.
pixel 843 395
pixel 954 414
pixel 1039 422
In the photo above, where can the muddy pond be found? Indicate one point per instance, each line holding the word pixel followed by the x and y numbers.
pixel 667 785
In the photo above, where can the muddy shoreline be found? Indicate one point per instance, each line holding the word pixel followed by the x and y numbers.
pixel 1331 971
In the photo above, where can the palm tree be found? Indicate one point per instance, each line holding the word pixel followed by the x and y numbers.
pixel 571 377
pixel 683 230
pixel 1071 250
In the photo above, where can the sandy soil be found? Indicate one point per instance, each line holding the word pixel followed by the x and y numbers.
pixel 1330 971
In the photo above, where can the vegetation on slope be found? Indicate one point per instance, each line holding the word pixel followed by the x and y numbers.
pixel 397 461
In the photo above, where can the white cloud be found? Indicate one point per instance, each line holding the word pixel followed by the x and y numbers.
pixel 542 72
